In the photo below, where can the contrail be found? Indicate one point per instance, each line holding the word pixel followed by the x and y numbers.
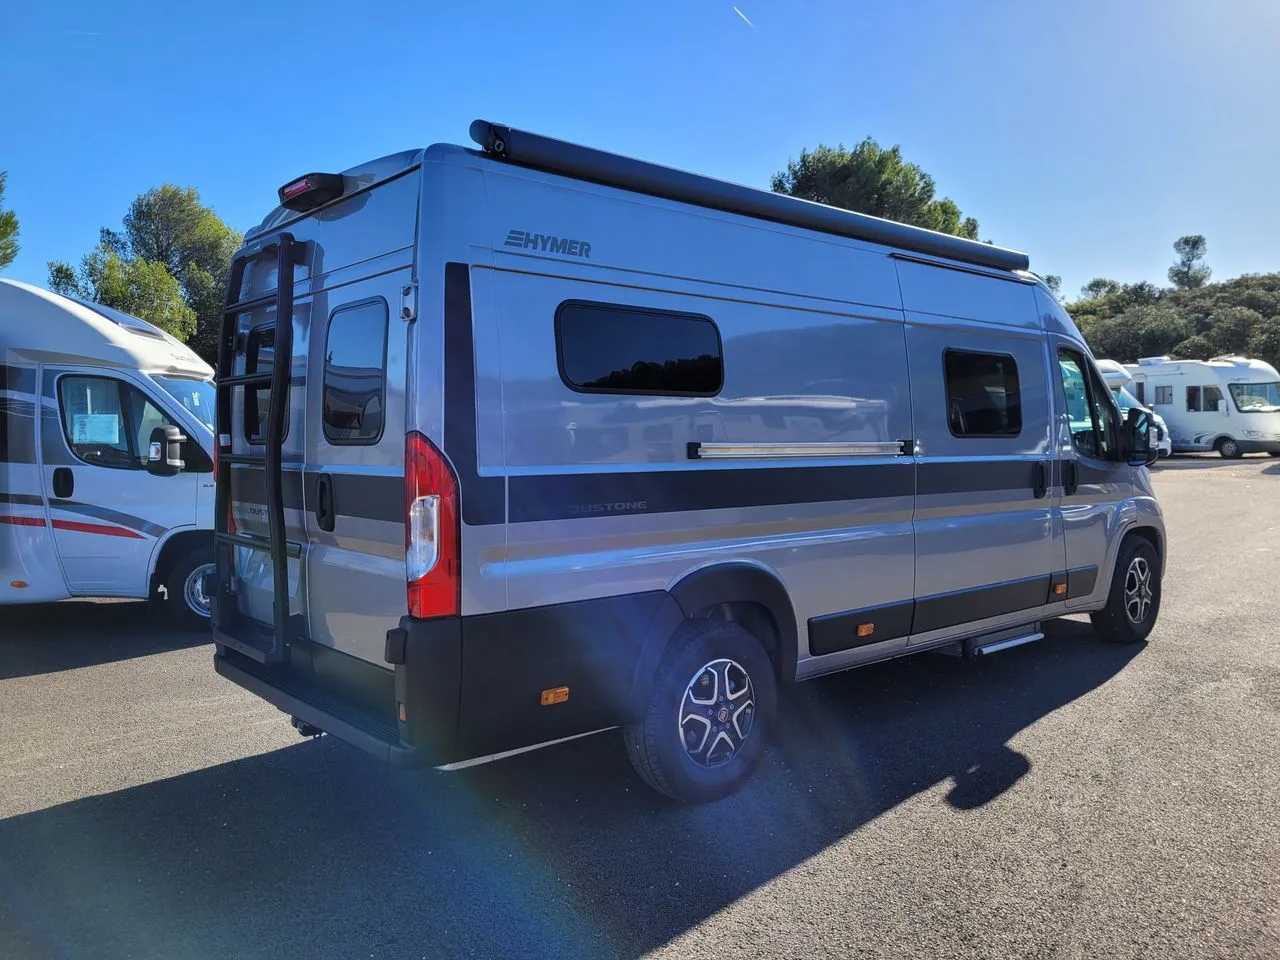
pixel 744 17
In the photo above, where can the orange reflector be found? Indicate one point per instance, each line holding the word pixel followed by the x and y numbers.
pixel 866 629
pixel 404 714
pixel 554 695
pixel 19 584
pixel 1059 589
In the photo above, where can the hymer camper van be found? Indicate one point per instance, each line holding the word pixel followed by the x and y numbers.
pixel 530 441
pixel 106 476
pixel 1227 404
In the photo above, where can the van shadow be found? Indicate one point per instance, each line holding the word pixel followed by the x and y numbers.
pixel 48 637
pixel 318 851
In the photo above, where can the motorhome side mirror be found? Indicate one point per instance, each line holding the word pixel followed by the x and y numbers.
pixel 164 451
pixel 1142 450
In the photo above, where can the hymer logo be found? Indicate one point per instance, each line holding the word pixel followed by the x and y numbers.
pixel 621 506
pixel 546 243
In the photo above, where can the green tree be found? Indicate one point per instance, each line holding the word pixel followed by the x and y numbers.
pixel 1231 329
pixel 170 229
pixel 8 229
pixel 1193 348
pixel 1190 271
pixel 875 180
pixel 1099 287
pixel 144 288
pixel 1264 344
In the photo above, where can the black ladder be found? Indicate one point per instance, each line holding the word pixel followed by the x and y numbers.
pixel 229 627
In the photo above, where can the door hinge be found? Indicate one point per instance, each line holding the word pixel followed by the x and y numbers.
pixel 409 302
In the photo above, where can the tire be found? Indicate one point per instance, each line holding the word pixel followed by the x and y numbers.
pixel 184 592
pixel 1228 449
pixel 726 754
pixel 1138 563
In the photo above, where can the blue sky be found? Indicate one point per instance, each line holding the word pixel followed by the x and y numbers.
pixel 1090 133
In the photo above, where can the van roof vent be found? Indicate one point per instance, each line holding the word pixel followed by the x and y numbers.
pixel 1152 361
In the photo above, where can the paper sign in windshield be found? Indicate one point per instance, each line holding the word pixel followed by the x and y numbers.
pixel 95 428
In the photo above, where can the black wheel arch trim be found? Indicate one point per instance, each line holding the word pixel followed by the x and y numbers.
pixel 738 582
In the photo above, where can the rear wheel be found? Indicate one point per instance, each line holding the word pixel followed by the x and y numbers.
pixel 1134 601
pixel 1228 449
pixel 188 588
pixel 712 704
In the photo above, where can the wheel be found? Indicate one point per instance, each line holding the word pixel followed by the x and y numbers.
pixel 1134 600
pixel 187 589
pixel 713 702
pixel 1228 448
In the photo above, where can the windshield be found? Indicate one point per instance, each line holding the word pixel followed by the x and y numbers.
pixel 196 395
pixel 1256 397
pixel 1125 399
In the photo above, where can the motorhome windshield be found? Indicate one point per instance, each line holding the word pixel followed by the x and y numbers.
pixel 1125 399
pixel 194 394
pixel 1256 397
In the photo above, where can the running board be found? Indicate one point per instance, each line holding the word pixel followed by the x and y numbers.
pixel 976 648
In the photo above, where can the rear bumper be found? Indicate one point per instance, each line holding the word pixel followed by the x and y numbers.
pixel 464 687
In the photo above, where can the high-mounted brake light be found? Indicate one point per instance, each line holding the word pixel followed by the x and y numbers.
pixel 431 536
pixel 309 192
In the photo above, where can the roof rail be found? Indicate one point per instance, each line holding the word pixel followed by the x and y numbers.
pixel 615 170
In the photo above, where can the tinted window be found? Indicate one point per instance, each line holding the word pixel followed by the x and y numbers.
pixel 1164 394
pixel 260 352
pixel 108 423
pixel 355 356
pixel 1193 399
pixel 982 394
pixel 613 349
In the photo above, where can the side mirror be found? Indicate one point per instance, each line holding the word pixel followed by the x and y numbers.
pixel 164 451
pixel 1141 450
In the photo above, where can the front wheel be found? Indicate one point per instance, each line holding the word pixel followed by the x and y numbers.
pixel 712 704
pixel 188 588
pixel 1134 600
pixel 1229 449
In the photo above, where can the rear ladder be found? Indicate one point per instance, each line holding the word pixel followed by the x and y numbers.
pixel 230 627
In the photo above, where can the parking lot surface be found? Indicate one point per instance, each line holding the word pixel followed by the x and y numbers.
pixel 1063 799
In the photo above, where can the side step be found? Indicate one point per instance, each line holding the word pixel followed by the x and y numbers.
pixel 981 646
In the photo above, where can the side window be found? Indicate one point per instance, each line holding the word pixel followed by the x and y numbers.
pixel 1193 399
pixel 982 394
pixel 1212 399
pixel 1090 411
pixel 108 422
pixel 260 352
pixel 1164 395
pixel 355 374
pixel 1140 392
pixel 607 348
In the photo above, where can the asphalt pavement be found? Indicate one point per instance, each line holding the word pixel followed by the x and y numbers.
pixel 1065 799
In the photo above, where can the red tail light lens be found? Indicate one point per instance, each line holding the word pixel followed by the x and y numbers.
pixel 431 536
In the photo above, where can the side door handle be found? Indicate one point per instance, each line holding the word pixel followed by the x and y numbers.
pixel 64 483
pixel 1069 480
pixel 1040 483
pixel 324 502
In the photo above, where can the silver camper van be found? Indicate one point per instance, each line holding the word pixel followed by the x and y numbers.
pixel 531 441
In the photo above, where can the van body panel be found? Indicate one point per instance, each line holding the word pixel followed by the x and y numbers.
pixel 824 462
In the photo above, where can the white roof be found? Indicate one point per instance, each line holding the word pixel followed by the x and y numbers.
pixel 1114 372
pixel 37 324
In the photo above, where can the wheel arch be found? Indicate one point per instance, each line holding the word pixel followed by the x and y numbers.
pixel 172 548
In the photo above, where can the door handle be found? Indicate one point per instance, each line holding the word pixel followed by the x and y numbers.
pixel 1069 481
pixel 64 483
pixel 324 502
pixel 1040 483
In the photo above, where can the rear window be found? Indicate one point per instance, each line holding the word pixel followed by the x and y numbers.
pixel 355 358
pixel 260 352
pixel 610 348
pixel 982 394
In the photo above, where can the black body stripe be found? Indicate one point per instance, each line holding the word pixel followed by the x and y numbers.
pixel 1087 472
pixel 18 379
pixel 839 631
pixel 671 491
pixel 24 498
pixel 483 498
pixel 361 495
pixel 972 476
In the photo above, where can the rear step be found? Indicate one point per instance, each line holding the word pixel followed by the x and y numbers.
pixel 995 646
pixel 232 629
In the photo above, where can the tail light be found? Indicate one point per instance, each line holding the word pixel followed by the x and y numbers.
pixel 431 538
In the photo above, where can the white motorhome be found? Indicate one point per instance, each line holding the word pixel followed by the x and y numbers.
pixel 1118 379
pixel 1227 404
pixel 106 473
